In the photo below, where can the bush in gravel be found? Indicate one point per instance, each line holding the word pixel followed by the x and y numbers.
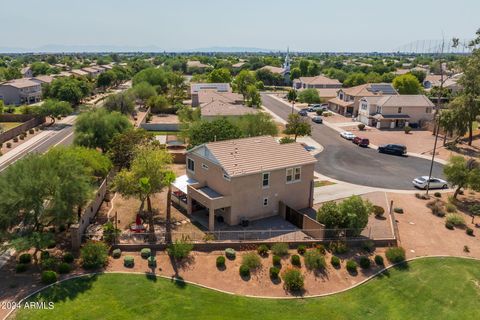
pixel 64 268
pixel 44 255
pixel 455 219
pixel 301 249
pixel 262 250
pixel 361 126
pixel 335 261
pixel 220 262
pixel 398 210
pixel 244 271
pixel 251 260
pixel 49 277
pixel 314 260
pixel 274 272
pixel 280 249
pixel 129 261
pixel 180 249
pixel 379 260
pixel 469 231
pixel 437 194
pixel 9 145
pixel 145 253
pixel 295 260
pixel 276 260
pixel 351 266
pixel 451 208
pixel 378 211
pixel 320 248
pixel 364 262
pixel 25 258
pixel 21 267
pixel 68 257
pixel 293 279
pixel 94 255
pixel 395 254
pixel 230 253
pixel 449 225
pixel 368 246
pixel 48 264
pixel 338 247
pixel 116 253
pixel 436 207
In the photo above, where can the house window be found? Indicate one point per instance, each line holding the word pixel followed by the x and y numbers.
pixel 265 179
pixel 399 110
pixel 293 174
pixel 204 166
pixel 340 96
pixel 265 202
pixel 379 109
pixel 190 165
pixel 226 177
pixel 428 110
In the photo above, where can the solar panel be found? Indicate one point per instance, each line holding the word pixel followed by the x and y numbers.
pixel 385 88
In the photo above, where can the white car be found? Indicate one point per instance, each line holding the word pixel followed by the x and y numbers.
pixel 347 135
pixel 435 183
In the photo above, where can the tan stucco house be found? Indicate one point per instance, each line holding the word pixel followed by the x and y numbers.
pixel 20 91
pixel 317 82
pixel 247 179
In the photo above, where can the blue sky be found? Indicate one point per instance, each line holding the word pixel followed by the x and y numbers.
pixel 347 25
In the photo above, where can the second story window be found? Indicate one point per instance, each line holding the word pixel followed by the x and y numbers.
pixel 204 166
pixel 379 109
pixel 428 110
pixel 226 177
pixel 265 180
pixel 399 109
pixel 190 165
pixel 293 174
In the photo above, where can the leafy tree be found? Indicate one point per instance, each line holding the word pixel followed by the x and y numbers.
pixel 329 215
pixel 244 79
pixel 373 77
pixel 53 109
pixel 2 107
pixel 388 77
pixel 176 87
pixel 303 66
pixel 298 126
pixel 260 124
pixel 208 131
pixel 157 104
pixel 124 144
pixel 295 73
pixel 39 68
pixel 149 173
pixel 269 78
pixel 313 69
pixel 419 74
pixel 96 128
pixel 12 73
pixel 68 89
pixel 144 91
pixel 292 95
pixel 462 173
pixel 309 96
pixel 155 76
pixel 407 84
pixel 355 79
pixel 106 79
pixel 253 97
pixel 187 114
pixel 221 75
pixel 122 102
pixel 453 122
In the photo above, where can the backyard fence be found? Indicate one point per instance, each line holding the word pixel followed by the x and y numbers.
pixel 29 122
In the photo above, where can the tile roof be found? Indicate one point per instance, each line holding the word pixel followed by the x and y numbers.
pixel 340 102
pixel 43 79
pixel 320 80
pixel 257 154
pixel 404 100
pixel 79 72
pixel 20 83
pixel 205 96
pixel 220 108
pixel 273 69
pixel 365 90
pixel 196 64
pixel 327 92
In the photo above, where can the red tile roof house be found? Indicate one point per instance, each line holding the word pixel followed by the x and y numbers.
pixel 317 82
pixel 247 179
pixel 218 108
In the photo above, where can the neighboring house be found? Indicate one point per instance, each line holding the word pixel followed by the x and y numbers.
pixel 206 92
pixel 92 71
pixel 348 99
pixel 79 73
pixel 284 71
pixel 26 72
pixel 449 82
pixel 43 79
pixel 193 65
pixel 217 108
pixel 238 65
pixel 20 91
pixel 318 82
pixel 247 179
pixel 395 111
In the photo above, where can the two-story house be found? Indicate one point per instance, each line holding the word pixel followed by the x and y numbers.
pixel 247 179
pixel 395 111
pixel 20 91
pixel 317 82
pixel 347 100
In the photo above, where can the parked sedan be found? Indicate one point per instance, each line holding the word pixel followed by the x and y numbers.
pixel 435 183
pixel 347 135
pixel 303 113
pixel 317 119
pixel 362 142
pixel 397 149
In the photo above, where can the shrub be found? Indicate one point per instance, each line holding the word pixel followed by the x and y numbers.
pixel 94 255
pixel 22 137
pixel 152 261
pixel 230 253
pixel 286 140
pixel 455 219
pixel 293 279
pixel 368 246
pixel 361 126
pixel 68 257
pixel 49 264
pixel 262 250
pixel 314 260
pixel 180 249
pixel 407 129
pixel 320 248
pixel 25 258
pixel 437 194
pixel 21 267
pixel 364 262
pixel 145 253
pixel 274 272
pixel 398 210
pixel 449 225
pixel 395 254
pixel 9 145
pixel 64 268
pixel 466 249
pixel 276 260
pixel 436 207
pixel 295 260
pixel 15 139
pixel 116 253
pixel 378 211
pixel 351 266
pixel 379 260
pixel 335 261
pixel 451 208
pixel 251 260
pixel 338 247
pixel 319 112
pixel 469 231
pixel 129 261
pixel 31 131
pixel 280 249
pixel 301 249
pixel 49 277
pixel 244 271
pixel 220 262
pixel 44 255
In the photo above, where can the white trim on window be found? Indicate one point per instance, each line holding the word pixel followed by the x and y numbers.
pixel 293 174
pixel 191 165
pixel 265 178
pixel 265 202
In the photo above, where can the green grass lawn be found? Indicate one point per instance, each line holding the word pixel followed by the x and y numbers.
pixel 9 125
pixel 164 133
pixel 432 288
pixel 322 183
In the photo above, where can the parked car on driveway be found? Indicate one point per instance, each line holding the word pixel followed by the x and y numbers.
pixel 435 183
pixel 303 113
pixel 313 107
pixel 362 142
pixel 397 149
pixel 317 119
pixel 347 135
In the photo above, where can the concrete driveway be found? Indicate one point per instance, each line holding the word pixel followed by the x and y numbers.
pixel 344 161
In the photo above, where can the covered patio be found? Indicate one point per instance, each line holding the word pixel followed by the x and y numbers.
pixel 391 121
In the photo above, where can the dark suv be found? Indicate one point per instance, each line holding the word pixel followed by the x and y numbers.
pixel 397 149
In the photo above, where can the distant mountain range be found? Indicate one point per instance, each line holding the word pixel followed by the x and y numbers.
pixel 56 48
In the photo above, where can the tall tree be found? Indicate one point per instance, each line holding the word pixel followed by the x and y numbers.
pixel 244 79
pixel 260 124
pixel 122 102
pixel 106 79
pixel 53 108
pixel 123 146
pixel 253 97
pixel 144 91
pixel 208 131
pixel 407 84
pixel 462 173
pixel 303 65
pixel 298 126
pixel 221 75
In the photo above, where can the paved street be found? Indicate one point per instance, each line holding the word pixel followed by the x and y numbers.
pixel 344 161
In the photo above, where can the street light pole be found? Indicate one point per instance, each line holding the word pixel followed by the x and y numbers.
pixel 437 129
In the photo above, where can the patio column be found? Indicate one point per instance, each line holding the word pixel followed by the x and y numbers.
pixel 211 219
pixel 189 204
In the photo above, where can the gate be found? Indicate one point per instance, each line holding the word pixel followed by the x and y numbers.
pixel 294 217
